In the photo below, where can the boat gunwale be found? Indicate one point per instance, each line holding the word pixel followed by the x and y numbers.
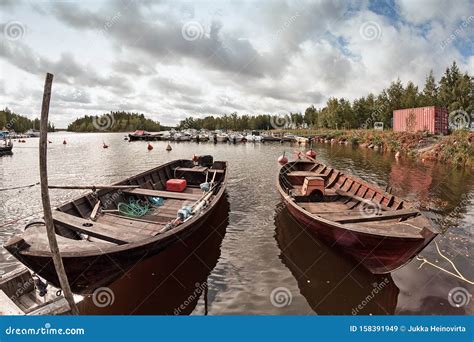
pixel 332 224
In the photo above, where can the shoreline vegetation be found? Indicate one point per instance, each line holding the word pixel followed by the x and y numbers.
pixel 456 148
pixel 11 121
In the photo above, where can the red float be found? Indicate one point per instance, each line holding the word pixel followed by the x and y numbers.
pixel 311 153
pixel 282 160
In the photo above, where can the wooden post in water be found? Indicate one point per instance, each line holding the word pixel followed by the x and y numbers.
pixel 48 216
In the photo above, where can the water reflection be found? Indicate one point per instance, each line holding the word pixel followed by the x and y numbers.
pixel 169 283
pixel 249 267
pixel 331 282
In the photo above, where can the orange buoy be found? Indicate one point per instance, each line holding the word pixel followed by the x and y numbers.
pixel 311 153
pixel 168 148
pixel 150 147
pixel 282 160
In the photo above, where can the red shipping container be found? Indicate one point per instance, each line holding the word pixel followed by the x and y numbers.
pixel 176 185
pixel 430 119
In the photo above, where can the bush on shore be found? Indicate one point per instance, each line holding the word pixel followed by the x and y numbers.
pixel 456 148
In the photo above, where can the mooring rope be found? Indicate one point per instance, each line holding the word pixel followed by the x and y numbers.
pixel 457 274
pixel 20 187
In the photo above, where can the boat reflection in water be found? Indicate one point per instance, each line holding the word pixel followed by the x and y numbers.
pixel 169 283
pixel 332 283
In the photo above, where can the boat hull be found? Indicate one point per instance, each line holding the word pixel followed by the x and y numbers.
pixel 6 149
pixel 86 273
pixel 378 254
pixel 151 137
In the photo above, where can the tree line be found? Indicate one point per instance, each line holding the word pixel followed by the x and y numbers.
pixel 114 122
pixel 11 121
pixel 454 91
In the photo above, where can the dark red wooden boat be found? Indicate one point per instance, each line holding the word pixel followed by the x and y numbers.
pixel 381 231
pixel 98 246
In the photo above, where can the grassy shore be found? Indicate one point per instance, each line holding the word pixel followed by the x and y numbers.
pixel 456 148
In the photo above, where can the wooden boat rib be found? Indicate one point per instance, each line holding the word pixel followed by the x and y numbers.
pixel 115 242
pixel 381 231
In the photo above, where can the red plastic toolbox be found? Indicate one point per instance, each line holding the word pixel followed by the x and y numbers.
pixel 177 185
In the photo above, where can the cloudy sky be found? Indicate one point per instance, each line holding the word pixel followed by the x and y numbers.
pixel 171 59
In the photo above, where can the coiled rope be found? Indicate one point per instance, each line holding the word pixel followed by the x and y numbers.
pixel 133 208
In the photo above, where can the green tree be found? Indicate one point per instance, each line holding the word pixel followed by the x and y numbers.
pixel 430 92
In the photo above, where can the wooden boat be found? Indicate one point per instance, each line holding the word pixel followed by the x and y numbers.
pixel 22 293
pixel 98 243
pixel 140 135
pixel 381 231
pixel 302 140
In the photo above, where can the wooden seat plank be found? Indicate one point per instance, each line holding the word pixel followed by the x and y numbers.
pixel 98 230
pixel 164 194
pixel 385 215
pixel 305 174
pixel 192 169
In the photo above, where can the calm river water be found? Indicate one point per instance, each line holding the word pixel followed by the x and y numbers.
pixel 253 258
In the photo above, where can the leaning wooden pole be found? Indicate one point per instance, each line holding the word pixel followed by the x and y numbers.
pixel 48 215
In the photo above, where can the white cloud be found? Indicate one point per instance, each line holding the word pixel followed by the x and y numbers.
pixel 250 57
